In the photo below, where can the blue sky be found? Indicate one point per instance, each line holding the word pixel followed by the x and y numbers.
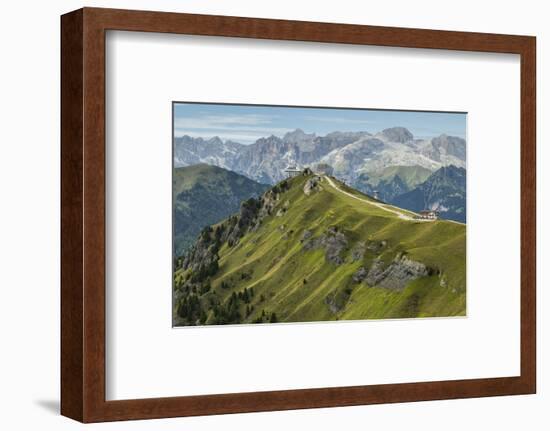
pixel 247 123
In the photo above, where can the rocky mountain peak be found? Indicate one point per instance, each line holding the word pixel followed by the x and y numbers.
pixel 452 145
pixel 349 153
pixel 298 135
pixel 216 139
pixel 397 134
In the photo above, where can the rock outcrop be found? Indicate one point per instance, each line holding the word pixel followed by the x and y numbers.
pixel 333 306
pixel 202 257
pixel 333 241
pixel 311 185
pixel 334 245
pixel 397 274
pixel 204 253
pixel 397 134
pixel 360 275
pixel 376 246
pixel 358 252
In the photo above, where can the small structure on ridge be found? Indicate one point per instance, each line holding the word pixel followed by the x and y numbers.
pixel 428 215
pixel 292 171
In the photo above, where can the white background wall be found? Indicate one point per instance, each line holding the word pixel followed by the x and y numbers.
pixel 29 217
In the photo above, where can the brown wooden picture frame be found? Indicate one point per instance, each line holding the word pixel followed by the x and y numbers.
pixel 83 214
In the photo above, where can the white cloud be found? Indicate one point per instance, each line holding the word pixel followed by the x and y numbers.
pixel 223 121
pixel 242 136
pixel 245 128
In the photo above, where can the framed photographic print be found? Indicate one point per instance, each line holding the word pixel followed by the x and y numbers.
pixel 268 215
pixel 346 225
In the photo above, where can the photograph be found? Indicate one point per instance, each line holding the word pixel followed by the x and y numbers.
pixel 308 214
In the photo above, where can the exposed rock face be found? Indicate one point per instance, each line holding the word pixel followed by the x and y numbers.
pixel 445 146
pixel 332 304
pixel 398 273
pixel 360 275
pixel 268 202
pixel 247 218
pixel 266 159
pixel 191 151
pixel 204 253
pixel 304 140
pixel 311 244
pixel 348 153
pixel 376 246
pixel 349 160
pixel 311 185
pixel 280 212
pixel 397 134
pixel 306 235
pixel 334 242
pixel 375 274
pixel 358 252
pixel 334 245
pixel 202 257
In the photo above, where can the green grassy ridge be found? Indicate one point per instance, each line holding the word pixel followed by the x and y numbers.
pixel 185 178
pixel 203 195
pixel 276 265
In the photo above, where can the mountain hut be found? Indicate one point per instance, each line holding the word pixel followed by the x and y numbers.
pixel 429 214
pixel 292 171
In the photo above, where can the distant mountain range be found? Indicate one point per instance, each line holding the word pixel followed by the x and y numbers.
pixel 392 181
pixel 204 195
pixel 351 154
pixel 411 173
pixel 444 190
pixel 416 188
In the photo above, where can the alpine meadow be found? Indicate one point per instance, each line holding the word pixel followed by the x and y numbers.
pixel 292 214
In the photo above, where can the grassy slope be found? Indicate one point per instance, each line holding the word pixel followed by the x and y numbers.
pixel 277 265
